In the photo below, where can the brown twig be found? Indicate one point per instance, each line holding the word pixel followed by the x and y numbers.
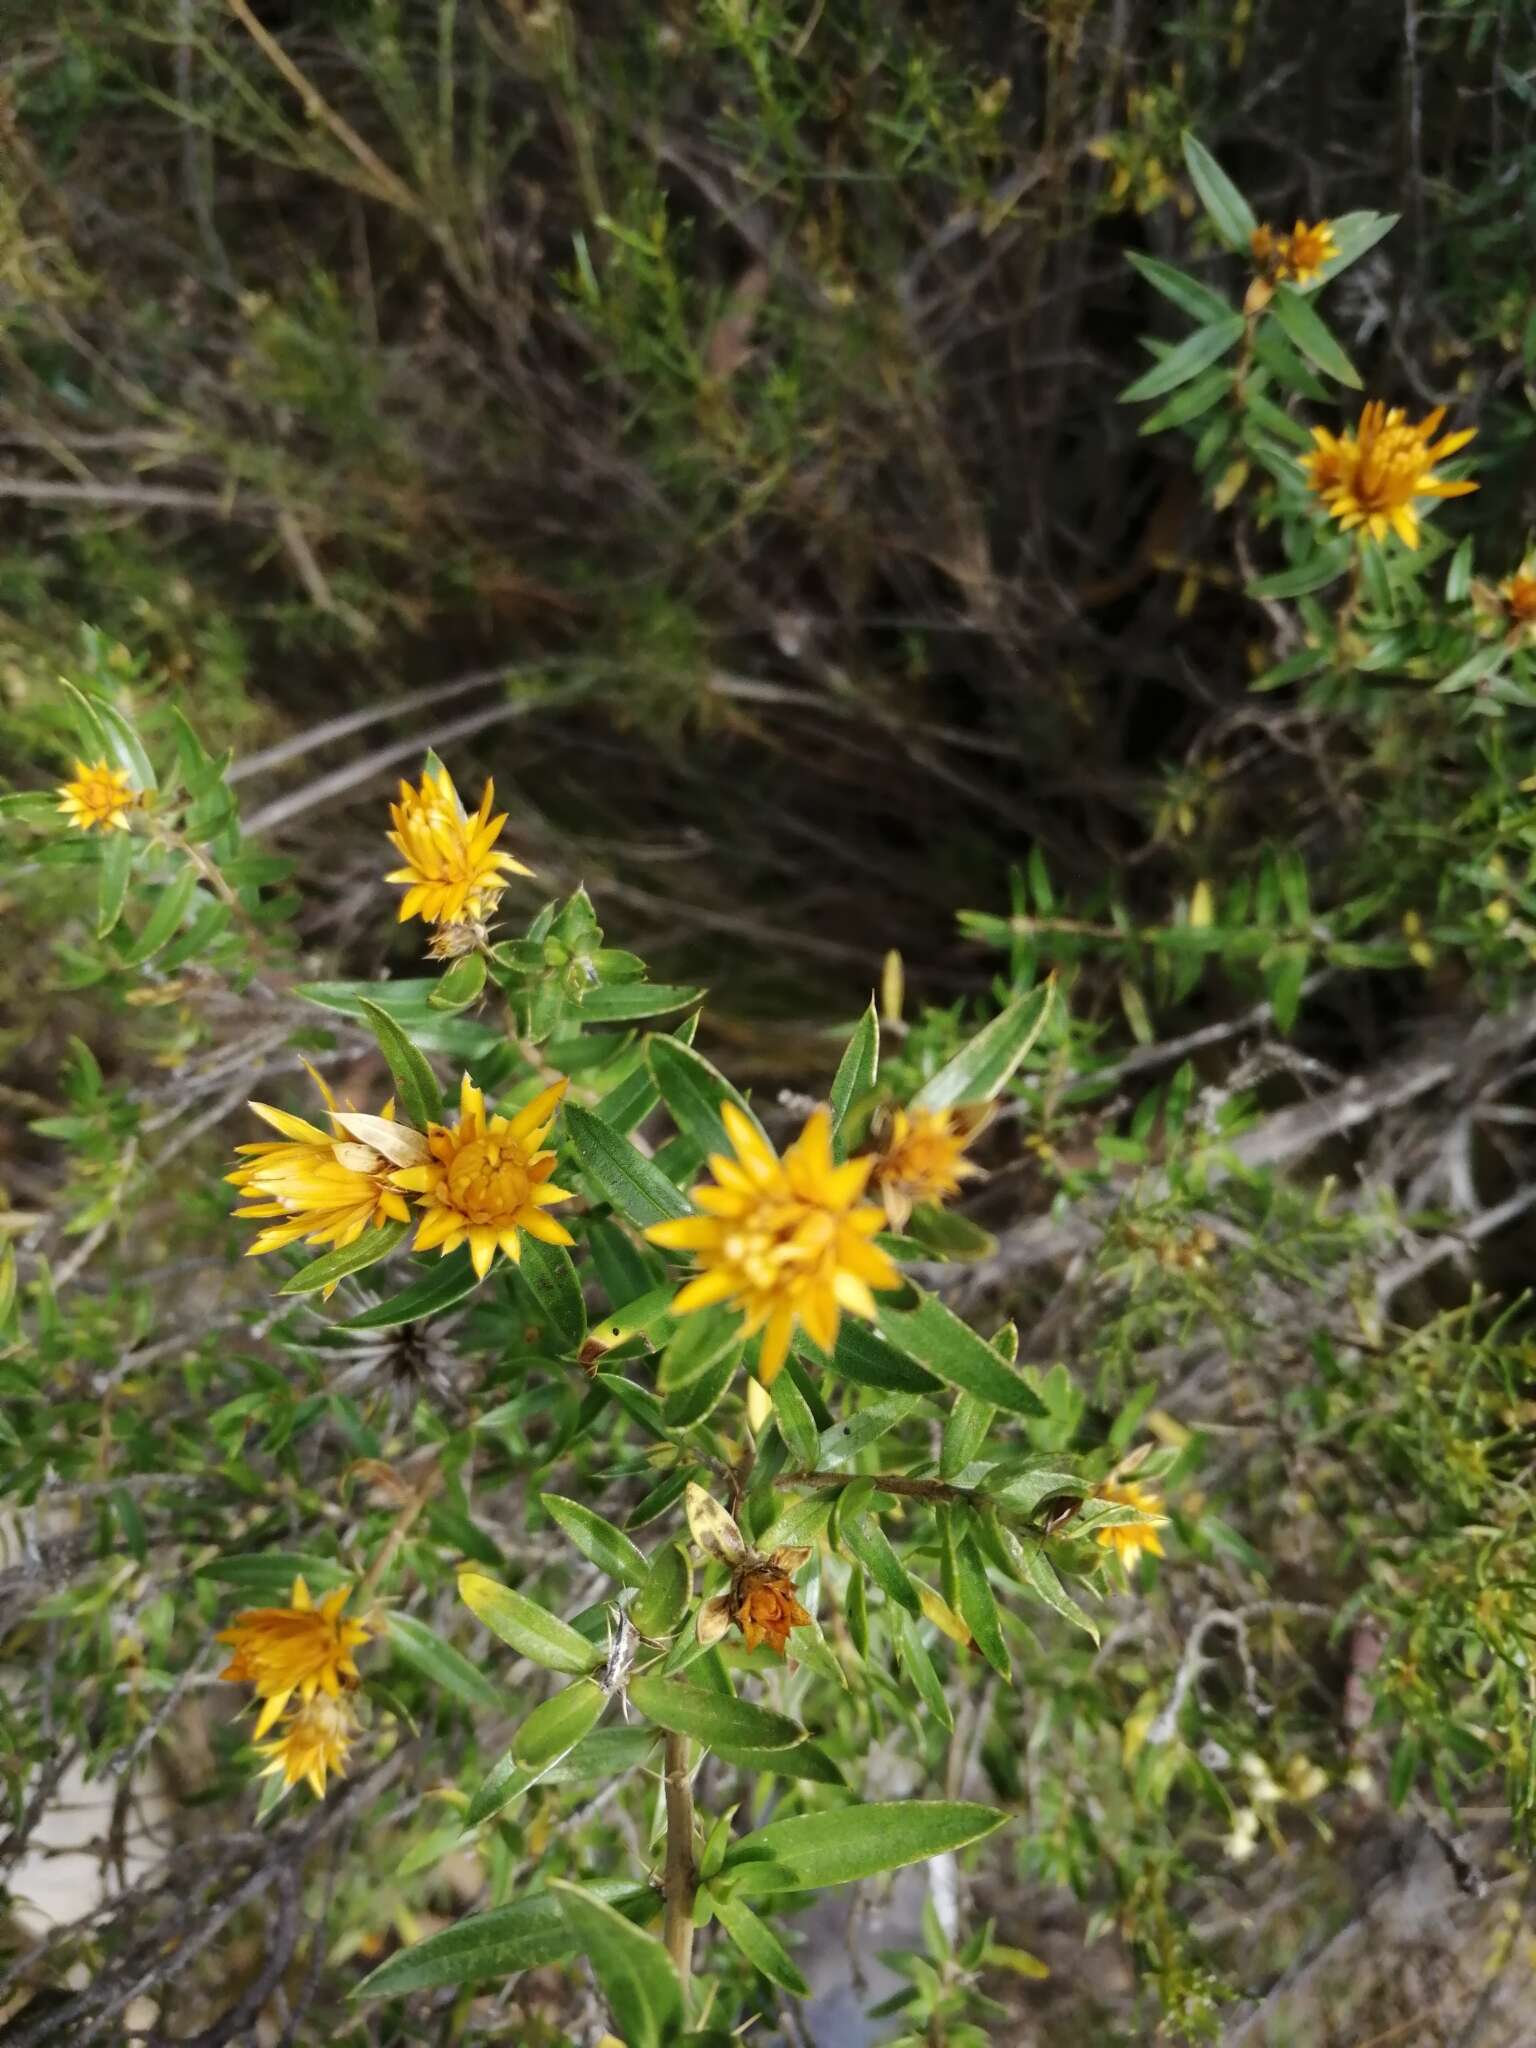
pixel 681 1876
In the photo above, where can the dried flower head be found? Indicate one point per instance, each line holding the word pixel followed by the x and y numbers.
pixel 487 1178
pixel 1371 477
pixel 326 1187
pixel 312 1742
pixel 98 798
pixel 300 1648
pixel 1295 258
pixel 1129 1539
pixel 452 873
pixel 784 1240
pixel 921 1157
pixel 761 1598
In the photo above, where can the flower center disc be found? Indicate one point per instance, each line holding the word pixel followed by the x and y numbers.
pixel 488 1179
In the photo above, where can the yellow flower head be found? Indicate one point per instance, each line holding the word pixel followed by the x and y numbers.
pixel 99 797
pixel 922 1158
pixel 312 1741
pixel 301 1649
pixel 487 1178
pixel 1370 478
pixel 1295 258
pixel 451 872
pixel 1129 1539
pixel 785 1240
pixel 327 1187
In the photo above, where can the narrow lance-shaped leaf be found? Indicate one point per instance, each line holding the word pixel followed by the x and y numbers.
pixel 1229 212
pixel 633 1970
pixel 936 1337
pixel 760 1945
pixel 332 1266
pixel 983 1066
pixel 526 1935
pixel 621 1174
pixel 811 1850
pixel 414 1079
pixel 1195 353
pixel 598 1540
pixel 710 1716
pixel 857 1070
pixel 1305 327
pixel 526 1626
pixel 693 1091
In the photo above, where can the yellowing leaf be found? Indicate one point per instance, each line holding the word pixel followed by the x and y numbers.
pixel 942 1615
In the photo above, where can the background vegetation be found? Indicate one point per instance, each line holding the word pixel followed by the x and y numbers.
pixel 704 417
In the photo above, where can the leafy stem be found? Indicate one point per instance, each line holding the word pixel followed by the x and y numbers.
pixel 681 1876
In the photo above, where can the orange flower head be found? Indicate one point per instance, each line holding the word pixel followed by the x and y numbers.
pixel 452 872
pixel 487 1178
pixel 922 1158
pixel 1370 478
pixel 1519 595
pixel 786 1240
pixel 763 1605
pixel 301 1649
pixel 1129 1539
pixel 98 798
pixel 312 1742
pixel 1295 258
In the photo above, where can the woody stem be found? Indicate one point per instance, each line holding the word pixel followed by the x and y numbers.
pixel 389 1549
pixel 682 1875
pixel 888 1482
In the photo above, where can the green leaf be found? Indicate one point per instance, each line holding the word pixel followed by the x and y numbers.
pixel 267 1576
pixel 621 1175
pixel 693 1091
pixel 626 1001
pixel 1326 566
pixel 1194 353
pixel 978 1608
pixel 112 880
pixel 869 1360
pixel 946 1234
pixel 106 725
pixel 1189 401
pixel 760 1945
pixel 501 1783
pixel 811 1850
pixel 527 1627
pixel 937 1338
pixel 1186 292
pixel 420 1096
pixel 863 1536
pixel 633 1970
pixel 163 922
pixel 688 1405
pixel 1458 577
pixel 526 1935
pixel 1305 327
pixel 461 985
pixel 806 1760
pixel 983 1066
pixel 451 1278
pixel 797 1425
pixel 546 1270
pixel 843 1441
pixel 710 1716
pixel 700 1341
pixel 919 1667
pixel 659 1606
pixel 367 1250
pixel 558 1724
pixel 1033 1569
pixel 598 1540
pixel 1230 214
pixel 856 1070
pixel 964 1434
pixel 442 1665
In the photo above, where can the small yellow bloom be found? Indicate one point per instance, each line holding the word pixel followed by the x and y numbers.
pixel 311 1742
pixel 1519 597
pixel 1370 478
pixel 785 1240
pixel 921 1158
pixel 452 874
pixel 98 799
pixel 327 1187
pixel 487 1178
pixel 1295 258
pixel 1129 1539
pixel 301 1649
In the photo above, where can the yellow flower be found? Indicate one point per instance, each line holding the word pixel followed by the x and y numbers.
pixel 451 872
pixel 486 1179
pixel 99 798
pixel 1295 258
pixel 1129 1539
pixel 312 1741
pixel 1519 595
pixel 301 1649
pixel 328 1187
pixel 921 1158
pixel 785 1240
pixel 1371 477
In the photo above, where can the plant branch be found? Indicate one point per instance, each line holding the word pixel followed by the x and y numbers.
pixel 681 1878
